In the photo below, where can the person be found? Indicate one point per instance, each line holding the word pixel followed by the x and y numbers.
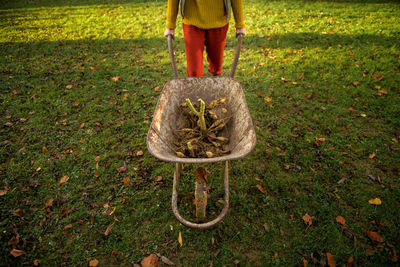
pixel 205 25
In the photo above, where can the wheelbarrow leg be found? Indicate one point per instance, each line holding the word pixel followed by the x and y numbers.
pixel 174 200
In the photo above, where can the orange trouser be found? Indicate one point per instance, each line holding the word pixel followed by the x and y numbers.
pixel 195 40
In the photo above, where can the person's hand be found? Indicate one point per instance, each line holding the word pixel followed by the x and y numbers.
pixel 240 31
pixel 169 32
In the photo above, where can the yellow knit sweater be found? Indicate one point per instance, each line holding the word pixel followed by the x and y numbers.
pixel 204 14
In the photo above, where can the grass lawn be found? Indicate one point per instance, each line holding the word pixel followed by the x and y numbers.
pixel 79 81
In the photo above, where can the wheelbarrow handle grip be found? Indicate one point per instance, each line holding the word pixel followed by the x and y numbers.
pixel 235 61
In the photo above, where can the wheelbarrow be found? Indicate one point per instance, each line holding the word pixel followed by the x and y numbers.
pixel 167 118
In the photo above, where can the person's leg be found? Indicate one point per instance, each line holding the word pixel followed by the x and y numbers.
pixel 194 47
pixel 215 44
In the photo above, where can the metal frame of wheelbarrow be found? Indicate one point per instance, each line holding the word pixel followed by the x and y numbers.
pixel 240 129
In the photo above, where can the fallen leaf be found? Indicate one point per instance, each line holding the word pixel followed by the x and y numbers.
pixel 375 201
pixel 266 227
pixel 115 79
pixel 16 252
pixel 108 229
pixel 65 212
pixel 180 239
pixel 201 174
pixel 49 202
pixel 158 178
pixel 68 226
pixel 267 99
pixel 305 262
pixel 356 83
pixel 286 79
pixel 81 125
pixel 96 175
pixel 307 219
pixel 139 153
pixel 150 261
pixel 17 212
pixel 262 189
pixel 331 259
pixel 76 103
pixel 97 158
pixel 259 95
pixel 69 86
pixel 64 179
pixel 341 220
pixel 372 156
pixel 393 255
pixel 363 115
pixel 126 180
pixel 309 95
pixel 14 240
pixel 93 68
pixel 167 261
pixel 236 262
pixel 8 124
pixel 350 260
pixel 158 88
pixel 123 168
pixel 3 192
pixel 36 262
pixel 44 149
pixel 93 263
pixel 112 212
pixel 374 236
pixel 378 77
pixel 287 167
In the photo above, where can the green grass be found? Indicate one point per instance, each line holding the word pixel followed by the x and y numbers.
pixel 47 49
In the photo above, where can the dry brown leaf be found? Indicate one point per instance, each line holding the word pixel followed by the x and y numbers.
pixel 371 156
pixel 341 220
pixel 108 229
pixel 123 168
pixel 350 260
pixel 356 83
pixel 69 86
pixel 180 239
pixel 393 255
pixel 115 79
pixel 331 260
pixel 64 179
pixel 267 99
pixel 44 149
pixel 378 77
pixel 76 103
pixel 158 88
pixel 139 153
pixel 36 262
pixel 305 262
pixel 374 236
pixel 96 175
pixel 8 124
pixel 17 212
pixel 49 202
pixel 14 240
pixel 81 125
pixel 93 263
pixel 262 189
pixel 150 261
pixel 307 219
pixel 65 212
pixel 93 68
pixel 97 158
pixel 158 178
pixel 201 174
pixel 126 180
pixel 16 252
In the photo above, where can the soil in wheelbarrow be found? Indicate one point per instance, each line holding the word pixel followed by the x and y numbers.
pixel 203 134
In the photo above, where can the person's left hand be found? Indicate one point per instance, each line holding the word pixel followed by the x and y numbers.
pixel 240 31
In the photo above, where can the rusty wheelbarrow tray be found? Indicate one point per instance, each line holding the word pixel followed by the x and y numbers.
pixel 167 118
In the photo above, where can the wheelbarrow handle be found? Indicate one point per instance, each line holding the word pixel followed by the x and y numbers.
pixel 171 54
pixel 235 61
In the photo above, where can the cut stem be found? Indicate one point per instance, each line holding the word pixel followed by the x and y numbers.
pixel 200 114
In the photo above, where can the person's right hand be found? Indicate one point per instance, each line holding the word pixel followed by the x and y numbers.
pixel 169 32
